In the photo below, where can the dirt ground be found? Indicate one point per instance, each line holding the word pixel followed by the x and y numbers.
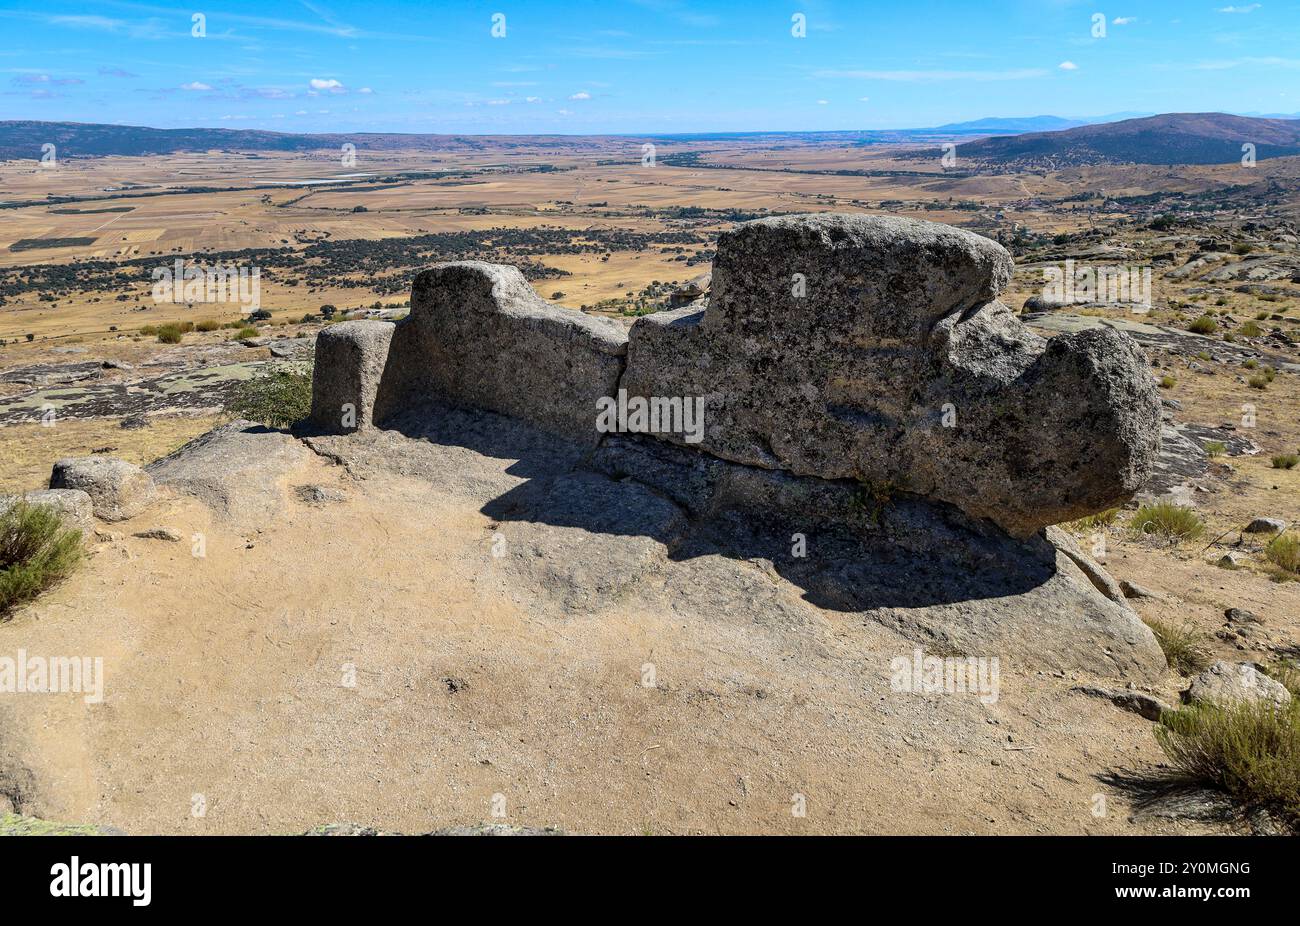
pixel 467 693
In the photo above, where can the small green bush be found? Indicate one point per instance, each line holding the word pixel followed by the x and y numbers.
pixel 1283 551
pixel 1250 750
pixel 1203 325
pixel 1182 646
pixel 1285 461
pixel 246 332
pixel 1167 382
pixel 1215 448
pixel 1251 329
pixel 1258 382
pixel 1174 522
pixel 209 324
pixel 36 551
pixel 280 397
pixel 1094 521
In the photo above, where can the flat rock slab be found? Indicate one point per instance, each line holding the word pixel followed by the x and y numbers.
pixel 237 469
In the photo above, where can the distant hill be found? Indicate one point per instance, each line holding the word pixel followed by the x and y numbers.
pixel 1173 138
pixel 20 140
pixel 1017 125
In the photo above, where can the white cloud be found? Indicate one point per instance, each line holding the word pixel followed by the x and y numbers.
pixel 195 85
pixel 864 99
pixel 565 112
pixel 929 76
pixel 823 102
pixel 532 99
pixel 1248 8
pixel 1123 20
pixel 1068 66
pixel 332 85
pixel 498 102
pixel 581 95
pixel 365 90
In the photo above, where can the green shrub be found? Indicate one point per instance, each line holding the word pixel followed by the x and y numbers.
pixel 1251 330
pixel 1215 448
pixel 246 332
pixel 209 324
pixel 36 551
pixel 1283 551
pixel 1167 382
pixel 170 334
pixel 1094 521
pixel 1182 646
pixel 1251 364
pixel 1174 522
pixel 1203 325
pixel 1242 247
pixel 1258 382
pixel 1250 750
pixel 279 397
pixel 1261 316
pixel 1285 461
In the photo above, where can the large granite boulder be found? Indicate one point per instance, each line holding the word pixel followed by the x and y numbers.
pixel 73 505
pixel 871 348
pixel 118 490
pixel 350 358
pixel 479 336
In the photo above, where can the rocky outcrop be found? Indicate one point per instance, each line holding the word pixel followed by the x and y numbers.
pixel 479 336
pixel 118 490
pixel 833 346
pixel 871 348
pixel 236 470
pixel 350 359
pixel 1226 684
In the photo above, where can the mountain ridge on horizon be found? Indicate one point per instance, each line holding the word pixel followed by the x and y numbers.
pixel 1000 139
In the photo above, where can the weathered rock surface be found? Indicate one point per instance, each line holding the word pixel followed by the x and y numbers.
pixel 644 524
pixel 235 469
pixel 350 359
pixel 1226 683
pixel 118 490
pixel 73 504
pixel 478 335
pixel 1135 702
pixel 897 367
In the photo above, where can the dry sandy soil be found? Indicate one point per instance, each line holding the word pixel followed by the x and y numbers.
pixel 471 682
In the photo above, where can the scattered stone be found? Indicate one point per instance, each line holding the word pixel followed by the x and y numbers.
pixel 135 422
pixel 1266 526
pixel 257 342
pixel 1231 560
pixel 116 365
pixel 455 683
pixel 1225 683
pixel 159 533
pixel 1242 616
pixel 117 489
pixel 1135 702
pixel 319 495
pixel 479 829
pixel 1133 590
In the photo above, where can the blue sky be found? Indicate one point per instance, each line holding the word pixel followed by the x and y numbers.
pixel 638 66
